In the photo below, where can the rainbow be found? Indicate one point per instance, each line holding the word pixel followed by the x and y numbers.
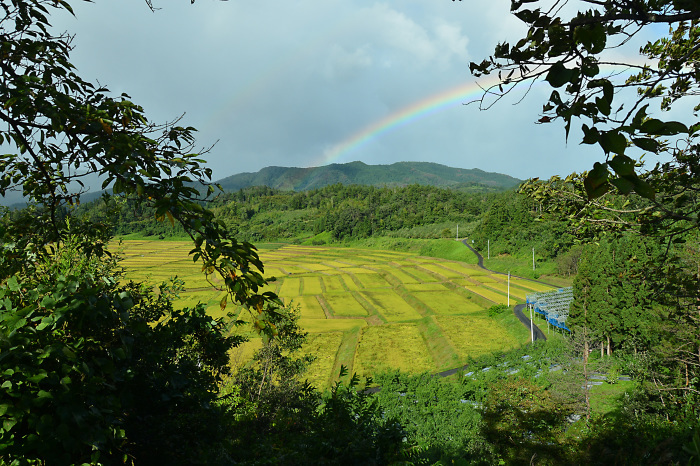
pixel 454 96
pixel 451 97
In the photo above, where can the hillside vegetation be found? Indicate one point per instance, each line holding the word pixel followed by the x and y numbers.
pixel 396 174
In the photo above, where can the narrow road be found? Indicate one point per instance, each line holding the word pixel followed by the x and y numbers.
pixel 479 257
pixel 518 309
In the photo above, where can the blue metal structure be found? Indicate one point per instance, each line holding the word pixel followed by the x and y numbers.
pixel 553 305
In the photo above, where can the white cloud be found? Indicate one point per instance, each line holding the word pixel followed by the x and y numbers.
pixel 400 33
pixel 450 38
pixel 343 64
pixel 277 82
pixel 402 41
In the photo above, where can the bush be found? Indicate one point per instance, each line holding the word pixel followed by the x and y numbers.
pixel 613 375
pixel 94 371
pixel 497 309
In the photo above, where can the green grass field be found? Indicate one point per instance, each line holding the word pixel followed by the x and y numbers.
pixel 367 309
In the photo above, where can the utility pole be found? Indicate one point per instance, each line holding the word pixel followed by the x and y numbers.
pixel 532 330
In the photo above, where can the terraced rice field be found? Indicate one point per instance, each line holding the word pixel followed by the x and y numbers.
pixel 368 310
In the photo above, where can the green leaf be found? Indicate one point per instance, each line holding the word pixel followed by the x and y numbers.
pixel 608 90
pixel 596 181
pixel 42 325
pixel 663 128
pixel 8 424
pixel 590 135
pixel 19 323
pixel 603 105
pixel 622 165
pixel 640 116
pixel 647 144
pixel 38 377
pixel 48 302
pixel 613 141
pixel 644 189
pixel 12 283
pixel 120 354
pixel 559 75
pixel 592 37
pixel 623 185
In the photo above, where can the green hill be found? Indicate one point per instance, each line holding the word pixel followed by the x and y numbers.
pixel 353 173
pixel 397 174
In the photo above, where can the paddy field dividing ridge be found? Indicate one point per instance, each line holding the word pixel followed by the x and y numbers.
pixel 369 310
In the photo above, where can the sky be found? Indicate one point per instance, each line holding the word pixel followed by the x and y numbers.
pixel 307 83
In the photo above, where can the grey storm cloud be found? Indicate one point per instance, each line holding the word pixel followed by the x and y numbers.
pixel 279 83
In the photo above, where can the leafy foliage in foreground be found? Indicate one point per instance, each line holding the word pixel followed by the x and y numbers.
pixel 435 415
pixel 96 371
pixel 567 49
pixel 342 426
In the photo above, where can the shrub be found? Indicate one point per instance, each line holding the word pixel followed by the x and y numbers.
pixel 497 309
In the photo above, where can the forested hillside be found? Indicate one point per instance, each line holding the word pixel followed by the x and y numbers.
pixel 397 174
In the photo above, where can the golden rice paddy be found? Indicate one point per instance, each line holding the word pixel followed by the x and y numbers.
pixel 384 295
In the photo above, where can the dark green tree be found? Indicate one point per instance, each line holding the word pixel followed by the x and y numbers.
pixel 272 384
pixel 92 370
pixel 568 52
pixel 614 294
pixel 95 371
pixel 436 416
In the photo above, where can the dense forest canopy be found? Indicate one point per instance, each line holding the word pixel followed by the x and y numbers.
pixel 265 214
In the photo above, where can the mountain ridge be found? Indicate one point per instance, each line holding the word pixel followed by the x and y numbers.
pixel 304 179
pixel 396 174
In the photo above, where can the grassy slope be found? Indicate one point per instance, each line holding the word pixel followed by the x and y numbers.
pixel 521 266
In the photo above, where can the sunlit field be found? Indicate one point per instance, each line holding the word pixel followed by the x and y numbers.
pixel 369 310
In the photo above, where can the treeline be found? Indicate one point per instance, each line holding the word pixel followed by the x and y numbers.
pixel 350 212
pixel 636 298
pixel 354 211
pixel 512 224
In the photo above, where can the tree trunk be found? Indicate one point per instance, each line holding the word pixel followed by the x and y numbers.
pixel 585 376
pixel 609 348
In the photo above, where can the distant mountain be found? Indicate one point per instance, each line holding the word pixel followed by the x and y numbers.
pixel 303 179
pixel 397 174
